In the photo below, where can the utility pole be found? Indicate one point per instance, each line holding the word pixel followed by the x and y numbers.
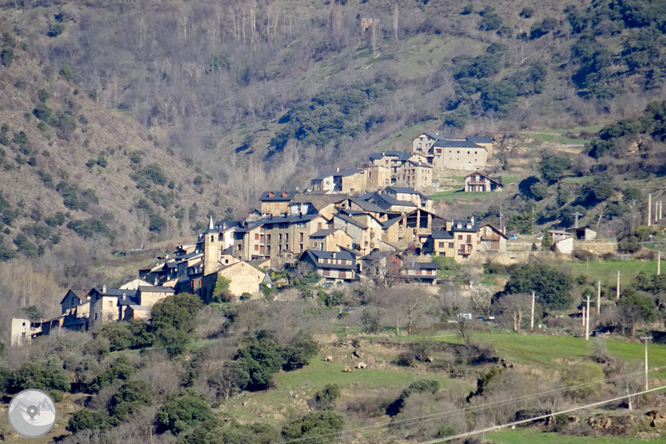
pixel 649 210
pixel 587 320
pixel 617 290
pixel 532 316
pixel 577 215
pixel 646 339
pixel 598 297
pixel 583 316
pixel 658 263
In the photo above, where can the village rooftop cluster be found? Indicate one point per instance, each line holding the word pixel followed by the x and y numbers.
pixel 351 225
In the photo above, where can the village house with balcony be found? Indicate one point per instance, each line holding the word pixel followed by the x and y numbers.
pixel 479 182
pixel 332 266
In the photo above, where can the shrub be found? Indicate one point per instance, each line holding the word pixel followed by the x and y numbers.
pixel 323 425
pixel 88 420
pixel 130 397
pixel 325 397
pixel 260 360
pixel 89 227
pixel 299 351
pixel 121 369
pixel 40 376
pixel 183 410
pixel 405 359
pixel 42 112
pixel 577 377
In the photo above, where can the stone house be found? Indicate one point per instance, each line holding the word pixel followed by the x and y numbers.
pixel 460 240
pixel 393 160
pixel 151 295
pixel 352 181
pixel 477 181
pixel 106 304
pixel 389 204
pixel 486 142
pixel 411 195
pixel 414 174
pixel 73 298
pixel 423 272
pixel 249 241
pixel 329 239
pixel 316 203
pixel 333 266
pixel 137 312
pixel 23 331
pixel 422 144
pixel 243 277
pixel 276 203
pixel 492 239
pixel 458 155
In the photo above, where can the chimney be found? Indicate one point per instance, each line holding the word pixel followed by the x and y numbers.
pixel 285 194
pixel 271 194
pixel 155 282
pixel 124 296
pixel 337 170
pixel 471 219
pixel 103 288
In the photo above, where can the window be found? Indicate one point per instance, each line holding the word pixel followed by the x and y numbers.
pixel 212 238
pixel 300 248
pixel 268 238
pixel 279 238
pixel 110 303
pixel 256 236
pixel 441 245
pixel 240 247
pixel 469 238
pixel 460 237
pixel 256 248
pixel 300 237
pixel 286 237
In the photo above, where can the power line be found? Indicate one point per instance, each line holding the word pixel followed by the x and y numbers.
pixel 537 418
pixel 441 415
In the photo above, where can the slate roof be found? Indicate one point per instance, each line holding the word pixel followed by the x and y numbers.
pixel 324 233
pixel 140 307
pixel 390 222
pixel 351 220
pixel 277 196
pixel 390 201
pixel 115 292
pixel 445 143
pixel 315 255
pixel 401 155
pixel 464 229
pixel 441 235
pixel 156 289
pixel 477 139
pixel 79 293
pixel 367 206
pixel 422 265
pixel 288 219
pixel 494 179
pixel 319 201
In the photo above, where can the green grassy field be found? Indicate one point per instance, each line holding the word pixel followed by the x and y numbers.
pixel 607 271
pixel 548 351
pixel 554 138
pixel 533 436
pixel 306 381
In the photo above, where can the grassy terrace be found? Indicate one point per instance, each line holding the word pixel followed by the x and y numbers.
pixel 267 405
pixel 533 436
pixel 607 271
pixel 548 351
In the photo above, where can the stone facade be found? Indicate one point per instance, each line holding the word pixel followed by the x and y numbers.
pixel 479 182
pixel 244 278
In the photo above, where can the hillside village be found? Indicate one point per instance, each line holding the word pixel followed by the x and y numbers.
pixel 372 224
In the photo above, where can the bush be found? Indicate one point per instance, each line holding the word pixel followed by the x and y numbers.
pixel 323 425
pixel 421 386
pixel 260 360
pixel 42 112
pixel 89 227
pixel 40 376
pixel 130 397
pixel 121 369
pixel 405 359
pixel 183 410
pixel 325 397
pixel 371 319
pixel 552 288
pixel 88 420
pixel 299 351
pixel 582 373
